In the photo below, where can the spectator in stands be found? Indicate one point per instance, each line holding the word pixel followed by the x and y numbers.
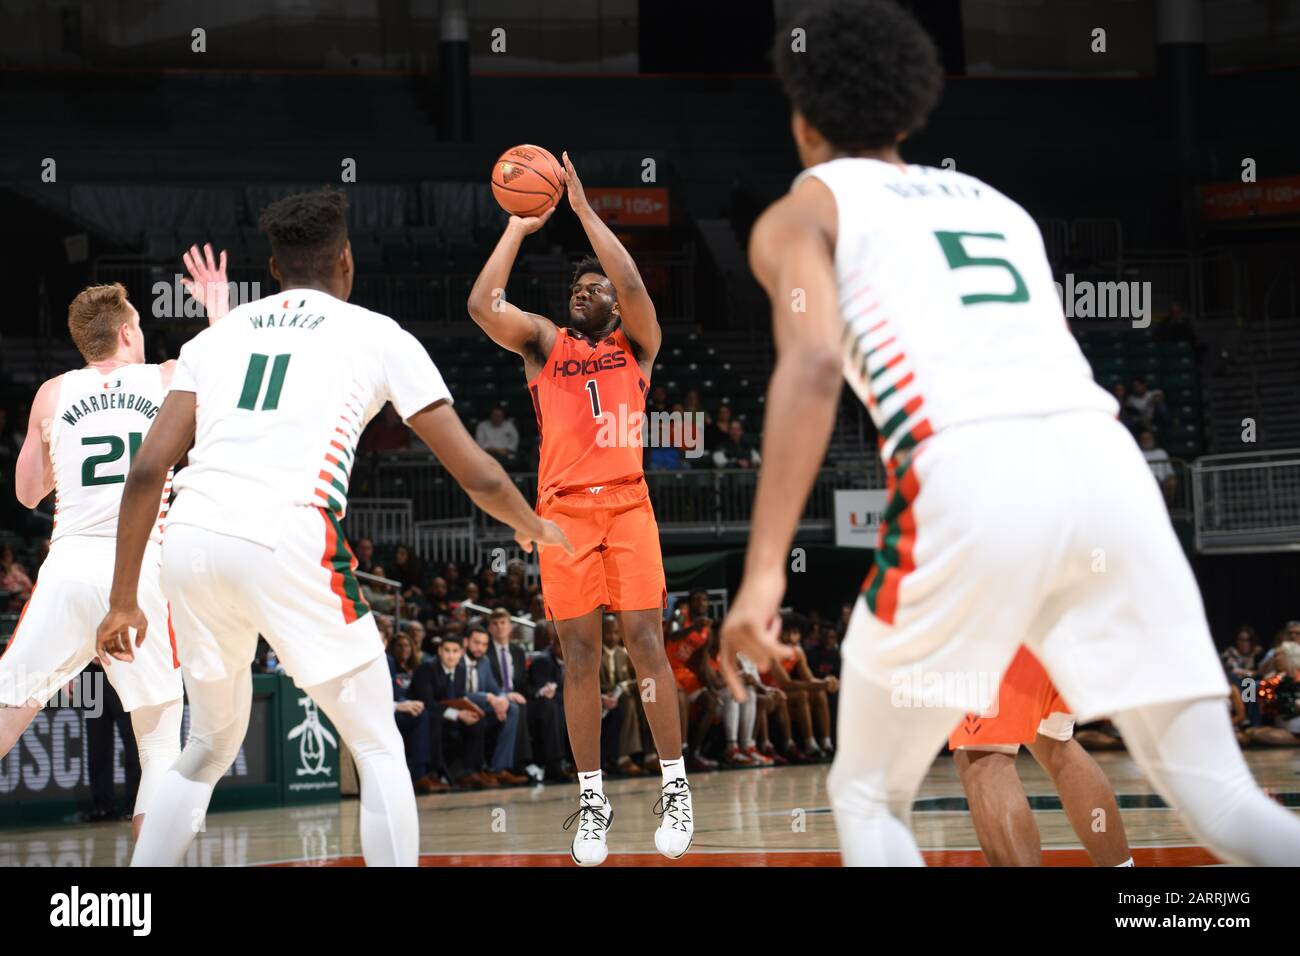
pixel 691 406
pixel 501 714
pixel 1161 466
pixel 658 399
pixel 415 723
pixel 424 639
pixel 438 600
pixel 846 614
pixel 498 436
pixel 455 585
pixel 365 555
pixel 720 433
pixel 511 594
pixel 1127 416
pixel 546 691
pixel 1241 660
pixel 440 683
pixel 1147 404
pixel 471 592
pixel 509 665
pixel 487 585
pixel 15 585
pixel 696 423
pixel 667 448
pixel 408 571
pixel 738 451
pixel 380 597
pixel 537 608
pixel 405 651
pixel 385 625
pixel 387 433
pixel 621 713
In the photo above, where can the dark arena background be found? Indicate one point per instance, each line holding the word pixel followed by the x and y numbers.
pixel 1154 143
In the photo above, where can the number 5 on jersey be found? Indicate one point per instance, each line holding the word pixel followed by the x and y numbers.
pixel 253 382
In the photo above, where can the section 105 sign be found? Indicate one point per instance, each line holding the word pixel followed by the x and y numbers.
pixel 633 206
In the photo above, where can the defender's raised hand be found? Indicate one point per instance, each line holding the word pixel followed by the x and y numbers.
pixel 207 280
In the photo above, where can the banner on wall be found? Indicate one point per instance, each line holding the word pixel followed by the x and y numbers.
pixel 857 516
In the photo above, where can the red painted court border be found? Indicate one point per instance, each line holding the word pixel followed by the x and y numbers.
pixel 1142 856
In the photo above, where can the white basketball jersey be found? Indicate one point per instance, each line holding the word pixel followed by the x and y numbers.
pixel 285 385
pixel 950 311
pixel 99 423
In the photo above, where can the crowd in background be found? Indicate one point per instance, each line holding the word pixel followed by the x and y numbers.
pixel 478 682
pixel 684 435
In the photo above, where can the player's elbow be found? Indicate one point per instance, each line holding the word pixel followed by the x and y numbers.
pixel 818 370
pixel 29 496
pixel 486 481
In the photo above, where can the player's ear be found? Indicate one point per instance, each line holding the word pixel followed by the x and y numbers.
pixel 275 268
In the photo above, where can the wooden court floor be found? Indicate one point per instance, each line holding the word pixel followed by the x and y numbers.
pixel 773 817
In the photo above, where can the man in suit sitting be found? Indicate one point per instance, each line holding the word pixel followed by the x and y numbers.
pixel 444 678
pixel 499 711
pixel 540 716
pixel 423 746
pixel 546 691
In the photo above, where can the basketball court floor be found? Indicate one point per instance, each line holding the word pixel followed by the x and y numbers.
pixel 773 817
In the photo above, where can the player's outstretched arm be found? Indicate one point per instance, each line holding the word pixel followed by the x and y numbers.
pixel 482 476
pixel 167 441
pixel 207 281
pixel 524 333
pixel 634 305
pixel 34 472
pixel 792 255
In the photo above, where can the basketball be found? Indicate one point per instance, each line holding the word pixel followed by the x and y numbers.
pixel 527 180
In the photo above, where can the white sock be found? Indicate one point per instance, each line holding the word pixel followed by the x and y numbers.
pixel 591 780
pixel 826 744
pixel 673 769
pixel 1128 862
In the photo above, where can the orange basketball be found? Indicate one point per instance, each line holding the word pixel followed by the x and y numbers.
pixel 527 180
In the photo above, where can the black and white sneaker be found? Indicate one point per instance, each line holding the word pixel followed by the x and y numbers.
pixel 594 817
pixel 676 824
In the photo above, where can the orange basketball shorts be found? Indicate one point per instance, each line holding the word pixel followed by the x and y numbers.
pixel 616 561
pixel 1028 704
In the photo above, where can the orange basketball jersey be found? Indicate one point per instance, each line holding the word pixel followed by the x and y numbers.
pixel 590 404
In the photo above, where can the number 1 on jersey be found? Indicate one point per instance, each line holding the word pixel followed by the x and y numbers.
pixel 253 382
pixel 595 397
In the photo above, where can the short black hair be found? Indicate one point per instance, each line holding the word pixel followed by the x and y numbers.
pixel 587 264
pixel 451 639
pixel 868 72
pixel 307 232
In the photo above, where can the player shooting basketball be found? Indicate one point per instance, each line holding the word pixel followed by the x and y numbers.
pixel 593 372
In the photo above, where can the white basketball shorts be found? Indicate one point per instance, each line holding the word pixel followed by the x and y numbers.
pixel 1043 530
pixel 55 637
pixel 302 596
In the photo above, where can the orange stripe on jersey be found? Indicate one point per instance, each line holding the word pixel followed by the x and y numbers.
pixel 331 562
pixel 590 402
pixel 171 636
